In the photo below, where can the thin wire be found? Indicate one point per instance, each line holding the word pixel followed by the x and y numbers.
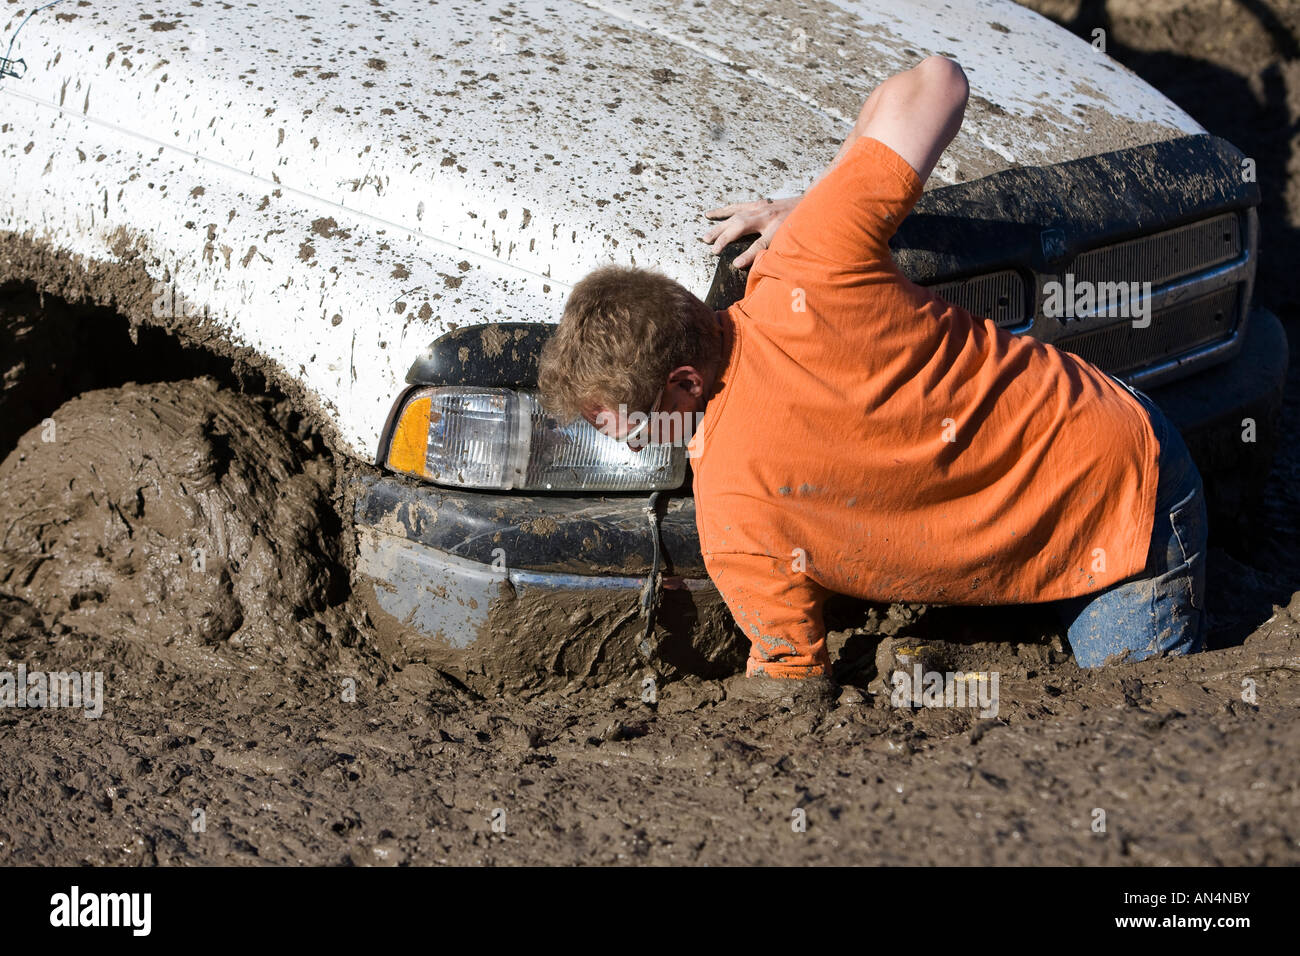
pixel 650 592
pixel 13 38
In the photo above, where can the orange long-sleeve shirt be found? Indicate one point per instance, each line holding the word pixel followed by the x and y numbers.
pixel 870 439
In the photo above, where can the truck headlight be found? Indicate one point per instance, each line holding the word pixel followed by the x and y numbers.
pixel 500 438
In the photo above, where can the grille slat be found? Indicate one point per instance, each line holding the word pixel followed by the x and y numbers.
pixel 1121 348
pixel 1164 256
pixel 999 296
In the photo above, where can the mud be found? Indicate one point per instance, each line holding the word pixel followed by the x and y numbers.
pixel 287 768
pixel 300 736
pixel 575 642
pixel 537 640
pixel 256 713
pixel 181 514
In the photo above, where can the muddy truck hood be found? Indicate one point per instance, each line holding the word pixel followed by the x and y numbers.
pixel 329 188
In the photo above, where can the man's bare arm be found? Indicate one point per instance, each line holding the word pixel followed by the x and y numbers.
pixel 915 113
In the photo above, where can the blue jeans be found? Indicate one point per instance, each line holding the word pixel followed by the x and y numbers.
pixel 1162 609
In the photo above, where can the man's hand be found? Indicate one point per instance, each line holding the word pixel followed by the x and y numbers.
pixel 812 693
pixel 763 216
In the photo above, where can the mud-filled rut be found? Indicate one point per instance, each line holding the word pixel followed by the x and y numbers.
pixel 173 523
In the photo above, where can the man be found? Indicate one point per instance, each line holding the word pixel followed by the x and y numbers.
pixel 861 436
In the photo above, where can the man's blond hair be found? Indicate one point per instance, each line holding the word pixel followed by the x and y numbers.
pixel 623 330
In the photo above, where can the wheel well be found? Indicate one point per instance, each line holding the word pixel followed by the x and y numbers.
pixel 52 350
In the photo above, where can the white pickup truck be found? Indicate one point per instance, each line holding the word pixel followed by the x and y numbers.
pixel 377 203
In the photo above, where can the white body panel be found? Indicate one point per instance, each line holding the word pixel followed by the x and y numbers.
pixel 339 184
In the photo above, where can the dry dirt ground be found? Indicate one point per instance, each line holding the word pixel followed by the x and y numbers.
pixel 266 728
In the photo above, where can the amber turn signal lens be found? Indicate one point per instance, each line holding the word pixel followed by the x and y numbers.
pixel 406 452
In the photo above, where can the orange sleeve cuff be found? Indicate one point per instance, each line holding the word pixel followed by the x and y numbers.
pixel 779 608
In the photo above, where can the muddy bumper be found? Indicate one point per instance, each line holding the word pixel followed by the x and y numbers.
pixel 518 592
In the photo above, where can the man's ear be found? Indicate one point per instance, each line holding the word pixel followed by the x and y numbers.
pixel 687 377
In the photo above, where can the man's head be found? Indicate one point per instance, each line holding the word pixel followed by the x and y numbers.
pixel 627 336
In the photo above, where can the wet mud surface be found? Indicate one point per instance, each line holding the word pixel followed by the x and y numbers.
pixel 254 713
pixel 180 514
pixel 539 641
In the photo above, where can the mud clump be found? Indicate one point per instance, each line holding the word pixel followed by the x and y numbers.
pixel 179 515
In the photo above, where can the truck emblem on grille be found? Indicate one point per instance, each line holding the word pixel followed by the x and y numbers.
pixel 1053 243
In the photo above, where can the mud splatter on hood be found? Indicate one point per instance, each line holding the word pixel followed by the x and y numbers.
pixel 486 156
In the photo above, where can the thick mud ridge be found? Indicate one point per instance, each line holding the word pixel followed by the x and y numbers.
pixel 179 533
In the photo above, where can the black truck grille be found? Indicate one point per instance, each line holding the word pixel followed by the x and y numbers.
pixel 1202 262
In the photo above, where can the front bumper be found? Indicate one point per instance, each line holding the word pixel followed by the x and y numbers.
pixel 441 560
pixel 517 594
